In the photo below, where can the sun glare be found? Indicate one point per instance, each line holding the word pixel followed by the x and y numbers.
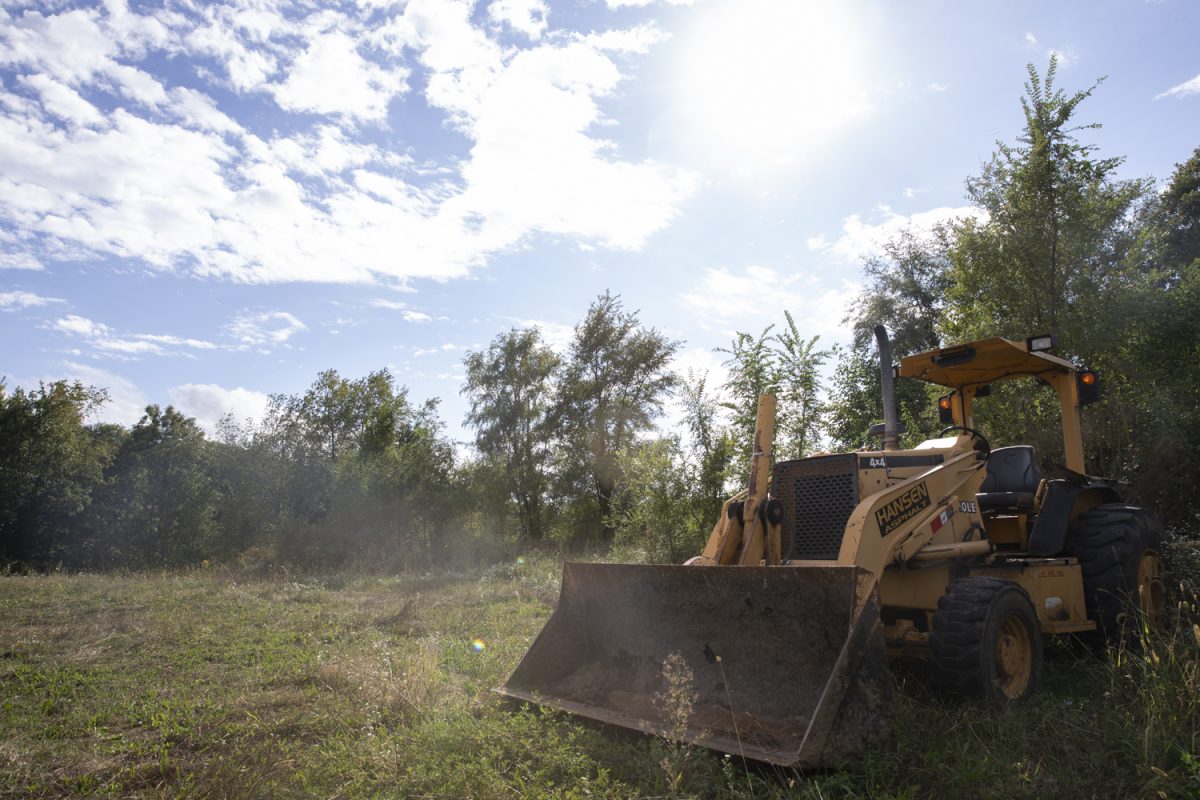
pixel 764 84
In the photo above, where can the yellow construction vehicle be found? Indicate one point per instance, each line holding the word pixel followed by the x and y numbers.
pixel 950 551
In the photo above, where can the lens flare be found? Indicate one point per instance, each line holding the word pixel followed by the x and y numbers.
pixel 520 560
pixel 478 645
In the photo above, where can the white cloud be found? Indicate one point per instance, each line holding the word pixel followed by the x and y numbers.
pixel 555 335
pixel 638 39
pixel 531 133
pixel 208 403
pixel 177 341
pixel 19 260
pixel 525 16
pixel 264 328
pixel 127 347
pixel 642 3
pixel 817 306
pixel 104 339
pixel 12 301
pixel 63 101
pixel 101 158
pixel 416 316
pixel 126 402
pixel 861 240
pixel 328 150
pixel 1182 89
pixel 448 347
pixel 1066 57
pixel 80 326
pixel 246 66
pixel 936 87
pixel 391 305
pixel 330 77
pixel 529 119
pixel 702 362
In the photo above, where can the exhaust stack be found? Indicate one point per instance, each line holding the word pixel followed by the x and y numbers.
pixel 887 379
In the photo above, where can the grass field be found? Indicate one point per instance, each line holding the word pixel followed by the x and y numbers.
pixel 215 684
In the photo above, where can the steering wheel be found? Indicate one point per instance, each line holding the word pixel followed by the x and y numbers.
pixel 981 444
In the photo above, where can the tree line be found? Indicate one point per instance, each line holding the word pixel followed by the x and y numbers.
pixel 568 447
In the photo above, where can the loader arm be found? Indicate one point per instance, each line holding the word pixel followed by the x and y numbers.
pixel 747 532
pixel 918 518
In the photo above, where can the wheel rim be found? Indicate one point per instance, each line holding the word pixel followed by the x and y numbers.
pixel 1014 658
pixel 1150 589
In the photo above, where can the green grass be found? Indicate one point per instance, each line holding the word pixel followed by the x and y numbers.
pixel 213 684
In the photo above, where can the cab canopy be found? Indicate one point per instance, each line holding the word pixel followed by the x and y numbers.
pixel 970 368
pixel 976 364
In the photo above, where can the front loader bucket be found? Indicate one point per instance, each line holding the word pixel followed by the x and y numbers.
pixel 787 664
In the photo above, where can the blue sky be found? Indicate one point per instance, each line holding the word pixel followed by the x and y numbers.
pixel 204 203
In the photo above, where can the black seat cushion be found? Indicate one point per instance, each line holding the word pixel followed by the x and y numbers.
pixel 1012 478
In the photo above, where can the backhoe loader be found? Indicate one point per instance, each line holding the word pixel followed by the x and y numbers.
pixel 950 551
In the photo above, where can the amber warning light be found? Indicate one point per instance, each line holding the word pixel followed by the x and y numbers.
pixel 945 414
pixel 1088 384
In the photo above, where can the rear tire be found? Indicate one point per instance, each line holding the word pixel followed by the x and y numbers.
pixel 986 642
pixel 1118 548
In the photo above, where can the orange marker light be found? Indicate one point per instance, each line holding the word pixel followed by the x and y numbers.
pixel 1088 383
pixel 945 414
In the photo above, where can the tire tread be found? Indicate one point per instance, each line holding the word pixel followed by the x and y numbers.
pixel 1108 540
pixel 955 642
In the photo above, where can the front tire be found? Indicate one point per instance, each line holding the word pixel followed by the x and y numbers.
pixel 986 643
pixel 1118 548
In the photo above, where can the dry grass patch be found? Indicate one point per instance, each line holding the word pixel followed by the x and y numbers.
pixel 404 685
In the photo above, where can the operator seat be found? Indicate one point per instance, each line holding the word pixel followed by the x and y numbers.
pixel 1012 479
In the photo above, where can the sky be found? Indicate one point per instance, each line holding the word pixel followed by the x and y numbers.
pixel 205 203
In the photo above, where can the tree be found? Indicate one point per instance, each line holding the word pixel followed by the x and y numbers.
pixel 786 365
pixel 247 475
pixel 1169 227
pixel 613 385
pixel 396 505
pixel 1050 256
pixel 339 414
pixel 1047 251
pixel 160 506
pixel 510 390
pixel 50 466
pixel 753 371
pixel 1159 354
pixel 799 364
pixel 906 289
pixel 855 399
pixel 713 450
pixel 655 513
pixel 1055 232
pixel 366 476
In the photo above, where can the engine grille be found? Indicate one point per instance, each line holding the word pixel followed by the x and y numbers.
pixel 818 495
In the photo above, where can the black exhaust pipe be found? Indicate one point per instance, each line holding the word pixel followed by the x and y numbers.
pixel 887 379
